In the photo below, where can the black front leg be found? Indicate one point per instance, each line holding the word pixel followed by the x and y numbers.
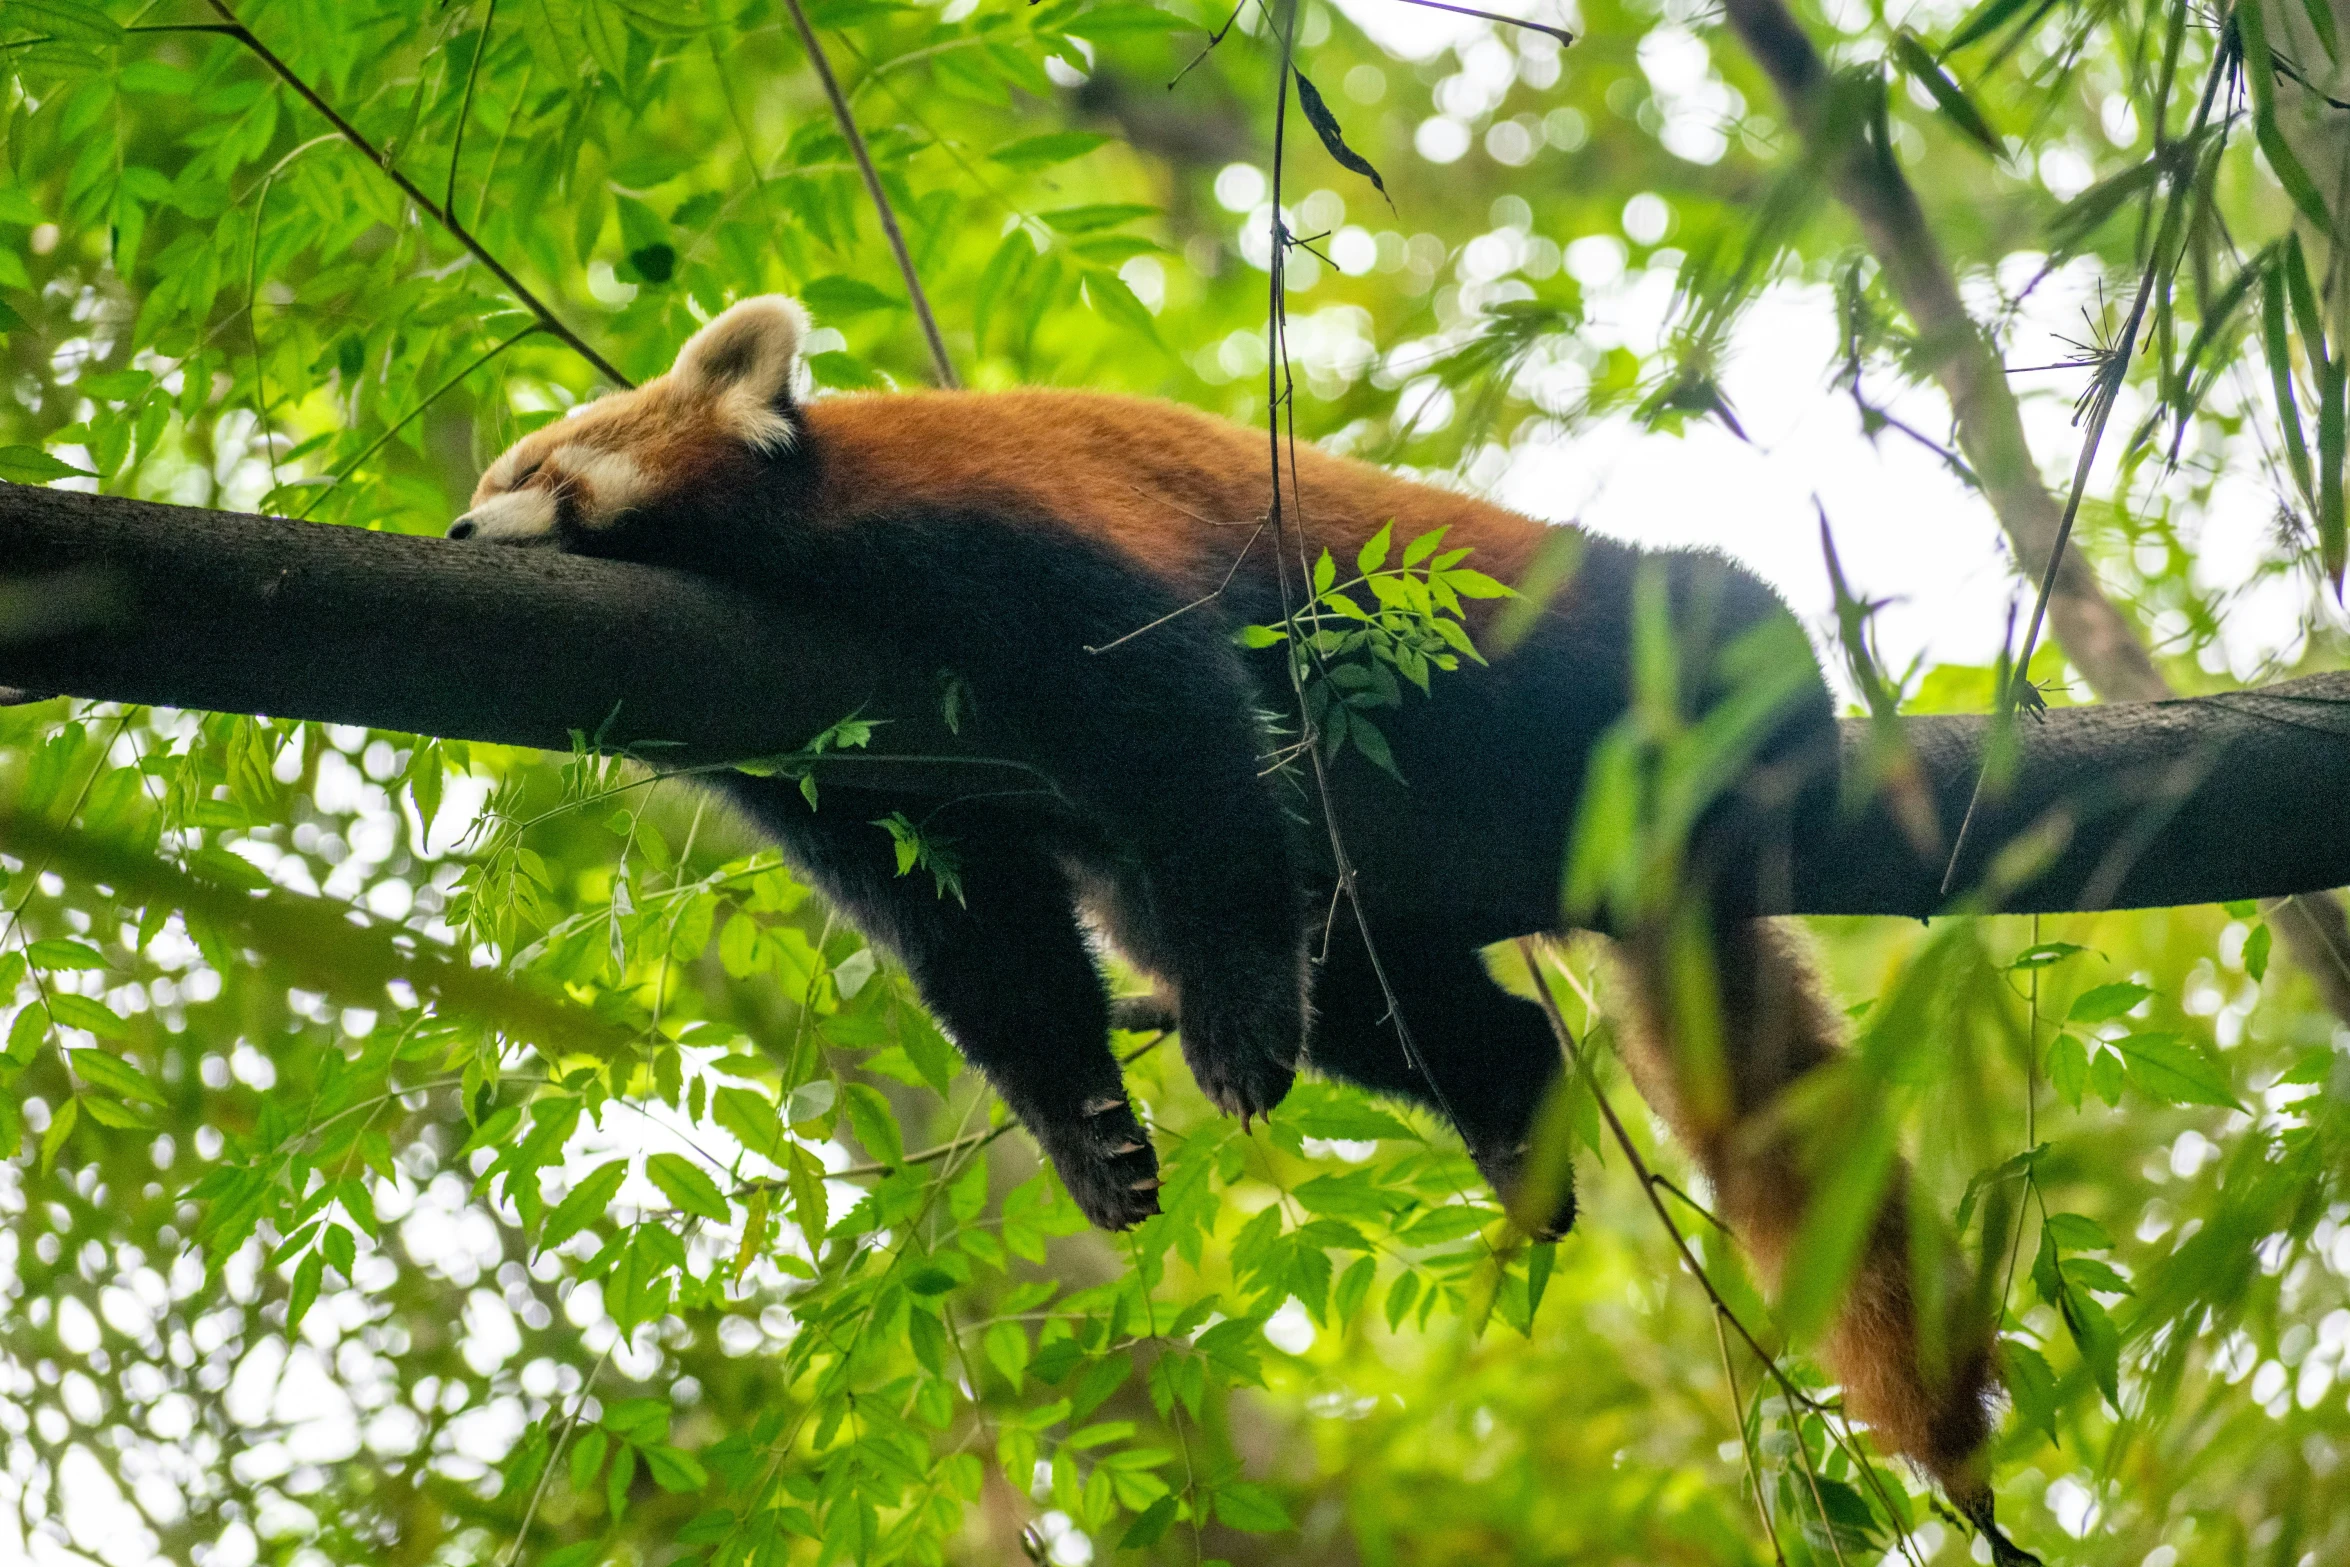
pixel 1492 1055
pixel 1004 969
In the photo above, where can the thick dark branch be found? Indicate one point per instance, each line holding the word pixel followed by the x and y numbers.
pixel 138 602
pixel 2192 801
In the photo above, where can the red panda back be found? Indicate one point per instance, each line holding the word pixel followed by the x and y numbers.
pixel 1176 490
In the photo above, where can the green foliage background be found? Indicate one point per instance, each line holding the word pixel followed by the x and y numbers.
pixel 430 1153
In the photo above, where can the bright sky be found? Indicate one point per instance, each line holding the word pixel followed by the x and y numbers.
pixel 1906 530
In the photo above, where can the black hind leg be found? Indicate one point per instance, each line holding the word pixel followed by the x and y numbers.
pixel 1493 1055
pixel 1004 970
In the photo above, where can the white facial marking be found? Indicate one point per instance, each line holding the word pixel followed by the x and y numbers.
pixel 513 517
pixel 613 480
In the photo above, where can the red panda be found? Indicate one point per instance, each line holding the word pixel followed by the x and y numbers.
pixel 1019 538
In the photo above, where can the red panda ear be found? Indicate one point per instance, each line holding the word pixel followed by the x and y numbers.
pixel 749 351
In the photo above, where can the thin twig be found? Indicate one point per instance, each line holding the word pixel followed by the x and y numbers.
pixel 2100 399
pixel 555 1451
pixel 1745 1447
pixel 847 120
pixel 231 28
pixel 1201 602
pixel 1276 398
pixel 481 47
pixel 1560 33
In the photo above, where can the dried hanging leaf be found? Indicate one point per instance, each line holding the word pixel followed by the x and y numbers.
pixel 1309 98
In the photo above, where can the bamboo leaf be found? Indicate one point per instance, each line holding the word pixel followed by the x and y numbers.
pixel 2260 73
pixel 1948 95
pixel 1987 19
pixel 2273 308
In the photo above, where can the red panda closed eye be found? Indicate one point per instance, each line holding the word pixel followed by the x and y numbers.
pixel 1007 537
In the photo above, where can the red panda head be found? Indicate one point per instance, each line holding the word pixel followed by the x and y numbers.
pixel 726 404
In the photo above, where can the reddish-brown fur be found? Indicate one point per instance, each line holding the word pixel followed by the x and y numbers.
pixel 1168 486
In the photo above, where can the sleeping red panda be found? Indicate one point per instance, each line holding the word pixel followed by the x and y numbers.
pixel 1006 536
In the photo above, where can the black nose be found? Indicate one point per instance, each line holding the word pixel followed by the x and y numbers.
pixel 462 528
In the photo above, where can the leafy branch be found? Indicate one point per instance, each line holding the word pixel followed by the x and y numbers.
pixel 441 212
pixel 1347 656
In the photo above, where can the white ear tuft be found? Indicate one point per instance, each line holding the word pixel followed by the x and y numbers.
pixel 749 351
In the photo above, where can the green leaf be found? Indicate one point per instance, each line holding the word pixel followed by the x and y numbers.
pixel 675 1470
pixel 1107 292
pixel 650 255
pixel 2260 74
pixel 2078 1232
pixel 584 1204
pixel 2166 1068
pixel 1373 554
pixel 874 1123
pixel 1149 1526
pixel 116 1076
pixel 1093 219
pixel 120 1117
pixel 1473 584
pixel 1350 1120
pixel 683 1183
pixel 844 372
pixel 1006 1347
pixel 1988 18
pixel 2279 351
pixel 1040 152
pixel 588 1455
pixel 2031 1384
pixel 2098 1340
pixel 497 1127
pixel 26 1033
pixel 750 1116
pixel 61 1125
pixel 307 1278
pixel 58 953
pixel 72 1011
pixel 2107 1002
pixel 1250 1507
pixel 2256 949
pixel 31 465
pixel 1947 94
pixel 1120 17
pixel 837 298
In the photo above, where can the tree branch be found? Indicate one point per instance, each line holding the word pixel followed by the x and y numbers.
pixel 2195 801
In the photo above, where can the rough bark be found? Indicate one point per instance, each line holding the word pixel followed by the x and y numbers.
pixel 2134 804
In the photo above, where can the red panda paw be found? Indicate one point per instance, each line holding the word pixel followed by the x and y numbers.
pixel 1541 1202
pixel 1105 1160
pixel 1244 1058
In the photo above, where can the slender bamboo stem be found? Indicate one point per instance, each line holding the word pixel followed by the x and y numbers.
pixel 847 120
